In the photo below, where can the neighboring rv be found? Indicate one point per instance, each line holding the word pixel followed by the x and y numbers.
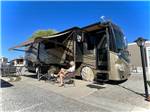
pixel 18 62
pixel 99 51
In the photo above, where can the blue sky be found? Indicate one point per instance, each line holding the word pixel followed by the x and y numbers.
pixel 20 19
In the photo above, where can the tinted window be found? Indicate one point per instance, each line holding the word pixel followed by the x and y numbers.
pixel 120 39
pixel 121 43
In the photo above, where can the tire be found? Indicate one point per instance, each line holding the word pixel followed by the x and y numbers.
pixel 87 73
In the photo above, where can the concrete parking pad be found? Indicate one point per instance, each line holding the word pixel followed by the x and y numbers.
pixel 81 89
pixel 26 97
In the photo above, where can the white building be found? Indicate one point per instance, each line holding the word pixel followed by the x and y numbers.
pixel 135 57
pixel 3 60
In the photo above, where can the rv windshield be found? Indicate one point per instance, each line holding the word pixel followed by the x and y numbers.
pixel 121 42
pixel 120 39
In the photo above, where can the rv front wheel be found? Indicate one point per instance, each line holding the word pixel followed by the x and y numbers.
pixel 87 73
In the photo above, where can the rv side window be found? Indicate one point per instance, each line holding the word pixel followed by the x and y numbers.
pixel 19 61
pixel 90 42
pixel 88 46
pixel 49 45
pixel 79 51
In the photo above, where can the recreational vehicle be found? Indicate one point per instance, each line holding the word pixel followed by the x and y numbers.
pixel 98 50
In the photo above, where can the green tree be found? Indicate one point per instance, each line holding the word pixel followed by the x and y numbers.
pixel 41 33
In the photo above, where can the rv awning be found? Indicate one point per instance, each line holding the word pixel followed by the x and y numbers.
pixel 56 35
pixel 29 42
pixel 26 43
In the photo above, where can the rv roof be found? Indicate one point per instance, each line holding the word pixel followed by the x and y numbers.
pixel 92 27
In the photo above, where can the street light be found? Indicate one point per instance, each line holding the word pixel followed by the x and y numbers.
pixel 141 43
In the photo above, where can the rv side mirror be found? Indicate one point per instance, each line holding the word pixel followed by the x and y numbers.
pixel 127 53
pixel 79 38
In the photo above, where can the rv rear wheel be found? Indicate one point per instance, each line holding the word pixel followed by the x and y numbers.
pixel 87 73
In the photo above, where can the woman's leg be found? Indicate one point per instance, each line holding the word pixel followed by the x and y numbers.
pixel 60 72
pixel 61 79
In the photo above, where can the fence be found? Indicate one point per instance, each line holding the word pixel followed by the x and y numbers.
pixel 10 70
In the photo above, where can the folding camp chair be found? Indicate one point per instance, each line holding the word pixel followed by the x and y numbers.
pixel 69 79
pixel 19 70
pixel 50 76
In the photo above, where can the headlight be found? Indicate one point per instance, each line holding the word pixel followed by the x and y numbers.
pixel 120 67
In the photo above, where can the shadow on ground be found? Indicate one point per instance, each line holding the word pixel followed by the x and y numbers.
pixel 95 86
pixel 141 94
pixel 5 84
pixel 31 76
pixel 112 82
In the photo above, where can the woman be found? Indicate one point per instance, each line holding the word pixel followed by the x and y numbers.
pixel 65 72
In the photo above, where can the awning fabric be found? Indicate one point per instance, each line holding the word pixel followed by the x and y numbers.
pixel 57 35
pixel 29 42
pixel 26 43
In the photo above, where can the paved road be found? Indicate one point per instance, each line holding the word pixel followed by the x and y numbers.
pixel 28 95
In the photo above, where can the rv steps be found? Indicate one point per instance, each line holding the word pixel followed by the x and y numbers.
pixel 102 76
